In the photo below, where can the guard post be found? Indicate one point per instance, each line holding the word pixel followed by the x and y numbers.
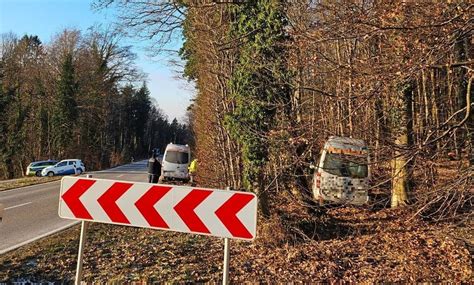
pixel 82 244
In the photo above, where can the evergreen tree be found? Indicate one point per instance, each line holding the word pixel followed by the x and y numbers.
pixel 65 113
pixel 141 106
pixel 257 86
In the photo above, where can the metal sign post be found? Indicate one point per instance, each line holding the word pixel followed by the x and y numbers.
pixel 1 212
pixel 82 244
pixel 225 277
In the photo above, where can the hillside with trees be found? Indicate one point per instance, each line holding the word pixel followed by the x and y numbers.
pixel 76 96
pixel 275 79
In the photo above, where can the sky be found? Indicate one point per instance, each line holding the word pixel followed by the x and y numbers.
pixel 45 18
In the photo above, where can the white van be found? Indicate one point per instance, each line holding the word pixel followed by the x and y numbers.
pixel 175 162
pixel 342 174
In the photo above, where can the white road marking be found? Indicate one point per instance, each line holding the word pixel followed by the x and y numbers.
pixel 121 175
pixel 16 206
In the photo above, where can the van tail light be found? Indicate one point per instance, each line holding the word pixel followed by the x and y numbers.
pixel 318 180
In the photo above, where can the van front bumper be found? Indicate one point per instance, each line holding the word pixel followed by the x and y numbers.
pixel 341 197
pixel 175 175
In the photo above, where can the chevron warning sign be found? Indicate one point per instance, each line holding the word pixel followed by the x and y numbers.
pixel 221 213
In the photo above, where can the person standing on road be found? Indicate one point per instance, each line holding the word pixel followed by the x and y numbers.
pixel 192 170
pixel 154 169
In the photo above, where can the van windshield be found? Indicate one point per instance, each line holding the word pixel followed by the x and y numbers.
pixel 177 157
pixel 346 165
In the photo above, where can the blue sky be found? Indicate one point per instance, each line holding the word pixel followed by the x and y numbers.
pixel 45 18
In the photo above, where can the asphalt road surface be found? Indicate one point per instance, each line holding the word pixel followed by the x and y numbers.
pixel 32 212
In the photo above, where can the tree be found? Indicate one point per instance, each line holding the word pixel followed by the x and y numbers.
pixel 275 79
pixel 65 113
pixel 140 112
pixel 258 84
pixel 403 131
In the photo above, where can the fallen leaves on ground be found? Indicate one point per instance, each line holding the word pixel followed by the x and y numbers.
pixel 354 245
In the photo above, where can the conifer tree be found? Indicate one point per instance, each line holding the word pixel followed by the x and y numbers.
pixel 65 114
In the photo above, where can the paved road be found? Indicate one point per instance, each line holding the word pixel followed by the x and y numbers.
pixel 32 212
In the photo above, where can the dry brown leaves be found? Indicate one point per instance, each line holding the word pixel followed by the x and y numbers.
pixel 354 245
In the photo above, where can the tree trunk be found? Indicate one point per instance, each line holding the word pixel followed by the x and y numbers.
pixel 258 189
pixel 10 169
pixel 401 170
pixel 461 88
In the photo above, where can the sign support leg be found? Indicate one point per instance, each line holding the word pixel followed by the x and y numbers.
pixel 225 278
pixel 82 244
pixel 80 257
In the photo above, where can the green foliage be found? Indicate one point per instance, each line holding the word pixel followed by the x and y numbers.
pixel 188 51
pixel 259 82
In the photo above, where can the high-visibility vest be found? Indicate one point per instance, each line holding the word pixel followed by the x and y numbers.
pixel 193 166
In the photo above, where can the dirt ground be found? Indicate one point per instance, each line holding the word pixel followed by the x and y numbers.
pixel 349 244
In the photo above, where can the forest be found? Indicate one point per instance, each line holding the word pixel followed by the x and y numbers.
pixel 79 96
pixel 275 79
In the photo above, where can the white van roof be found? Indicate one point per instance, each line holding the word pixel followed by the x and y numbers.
pixel 177 147
pixel 345 143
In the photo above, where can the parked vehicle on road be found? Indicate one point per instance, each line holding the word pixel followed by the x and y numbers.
pixel 342 174
pixel 35 167
pixel 175 162
pixel 65 167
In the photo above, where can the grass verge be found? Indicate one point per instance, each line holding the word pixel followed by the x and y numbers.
pixel 25 181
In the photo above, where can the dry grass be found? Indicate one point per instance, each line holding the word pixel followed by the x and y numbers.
pixel 25 181
pixel 354 245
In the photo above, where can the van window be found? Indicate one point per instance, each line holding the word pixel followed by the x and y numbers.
pixel 177 157
pixel 64 163
pixel 346 165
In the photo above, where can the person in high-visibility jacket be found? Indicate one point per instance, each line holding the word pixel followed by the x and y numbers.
pixel 192 168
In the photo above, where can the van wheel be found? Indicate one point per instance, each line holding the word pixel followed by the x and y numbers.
pixel 38 173
pixel 50 174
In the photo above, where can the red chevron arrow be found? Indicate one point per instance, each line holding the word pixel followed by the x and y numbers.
pixel 72 195
pixel 108 202
pixel 146 206
pixel 185 209
pixel 227 213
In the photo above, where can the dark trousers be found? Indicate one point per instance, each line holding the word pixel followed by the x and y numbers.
pixel 152 178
